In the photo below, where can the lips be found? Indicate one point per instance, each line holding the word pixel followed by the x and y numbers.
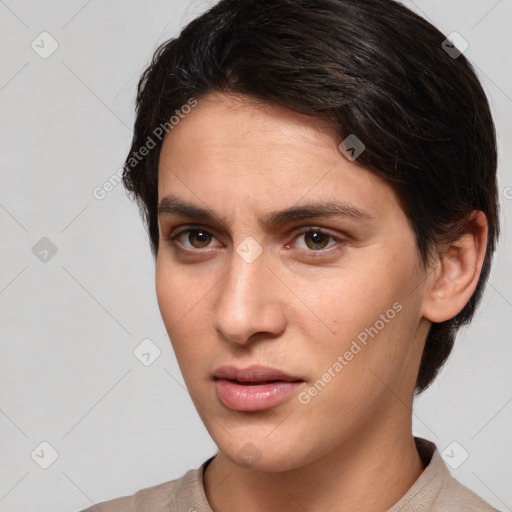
pixel 253 374
pixel 254 388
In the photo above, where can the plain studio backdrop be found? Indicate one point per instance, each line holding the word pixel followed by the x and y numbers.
pixel 82 418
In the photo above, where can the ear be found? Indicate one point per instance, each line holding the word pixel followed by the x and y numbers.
pixel 456 271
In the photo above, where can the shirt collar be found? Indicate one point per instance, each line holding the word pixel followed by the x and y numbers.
pixel 190 490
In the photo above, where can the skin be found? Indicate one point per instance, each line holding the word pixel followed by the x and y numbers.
pixel 298 306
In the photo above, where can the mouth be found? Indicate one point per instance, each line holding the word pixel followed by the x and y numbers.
pixel 255 383
pixel 253 374
pixel 255 388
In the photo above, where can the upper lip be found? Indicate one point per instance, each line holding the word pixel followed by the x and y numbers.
pixel 253 373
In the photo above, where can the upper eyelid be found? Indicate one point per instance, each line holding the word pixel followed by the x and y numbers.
pixel 187 229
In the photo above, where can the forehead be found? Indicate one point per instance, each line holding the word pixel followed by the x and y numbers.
pixel 220 120
pixel 231 148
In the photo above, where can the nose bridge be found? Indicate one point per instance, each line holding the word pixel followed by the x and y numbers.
pixel 247 304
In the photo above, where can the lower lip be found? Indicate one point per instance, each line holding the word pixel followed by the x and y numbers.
pixel 254 397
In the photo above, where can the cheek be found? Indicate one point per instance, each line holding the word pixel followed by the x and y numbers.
pixel 181 290
pixel 168 289
pixel 367 315
pixel 183 302
pixel 347 300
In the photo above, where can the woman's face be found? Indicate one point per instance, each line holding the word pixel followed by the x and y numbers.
pixel 295 259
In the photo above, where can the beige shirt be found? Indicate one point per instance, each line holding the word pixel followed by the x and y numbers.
pixel 434 491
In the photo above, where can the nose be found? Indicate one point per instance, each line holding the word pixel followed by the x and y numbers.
pixel 249 303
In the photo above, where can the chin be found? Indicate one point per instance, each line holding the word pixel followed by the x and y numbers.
pixel 269 464
pixel 260 454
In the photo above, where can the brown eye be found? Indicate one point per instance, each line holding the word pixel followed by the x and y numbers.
pixel 199 238
pixel 192 240
pixel 316 239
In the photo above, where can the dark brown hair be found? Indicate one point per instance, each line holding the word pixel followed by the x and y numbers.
pixel 372 68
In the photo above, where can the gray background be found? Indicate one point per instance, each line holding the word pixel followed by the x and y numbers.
pixel 71 320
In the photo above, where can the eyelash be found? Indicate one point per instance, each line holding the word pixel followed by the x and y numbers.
pixel 310 252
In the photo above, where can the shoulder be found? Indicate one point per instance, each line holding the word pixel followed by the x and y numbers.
pixel 150 499
pixel 436 489
pixel 454 496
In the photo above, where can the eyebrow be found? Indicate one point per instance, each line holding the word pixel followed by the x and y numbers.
pixel 171 205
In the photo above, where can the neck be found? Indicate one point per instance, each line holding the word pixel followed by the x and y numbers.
pixel 370 472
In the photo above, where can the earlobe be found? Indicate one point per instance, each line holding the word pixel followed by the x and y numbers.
pixel 457 270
